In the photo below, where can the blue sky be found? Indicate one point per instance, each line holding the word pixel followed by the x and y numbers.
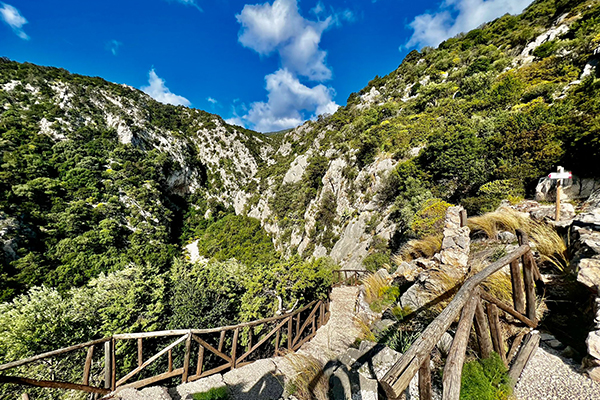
pixel 264 65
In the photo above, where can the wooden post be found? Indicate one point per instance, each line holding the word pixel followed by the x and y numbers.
pixel 200 363
pixel 290 333
pixel 496 330
pixel 277 337
pixel 113 370
pixel 236 333
pixel 107 364
pixel 221 340
pixel 527 350
pixel 517 287
pixel 483 332
pixel 140 355
pixel 170 358
pixel 88 366
pixel 529 288
pixel 298 325
pixel 456 354
pixel 463 218
pixel 515 346
pixel 425 380
pixel 186 358
pixel 250 338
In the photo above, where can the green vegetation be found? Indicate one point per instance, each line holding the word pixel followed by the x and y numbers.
pixel 220 393
pixel 485 379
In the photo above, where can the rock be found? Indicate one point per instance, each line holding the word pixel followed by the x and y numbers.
pixel 384 274
pixel 507 237
pixel 567 211
pixel 593 344
pixel 589 273
pixel 444 343
pixel 186 390
pixel 456 242
pixel 257 381
pixel 380 359
pixel 157 393
pixel 407 271
pixel 381 326
pixel 570 352
pixel 350 385
pixel 572 189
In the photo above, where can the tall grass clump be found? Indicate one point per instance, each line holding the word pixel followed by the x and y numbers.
pixel 308 382
pixel 425 247
pixel 544 237
pixel 379 293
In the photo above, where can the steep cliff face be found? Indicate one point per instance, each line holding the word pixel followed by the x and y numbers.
pixel 480 118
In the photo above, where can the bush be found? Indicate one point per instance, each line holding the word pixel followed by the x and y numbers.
pixel 485 379
pixel 429 220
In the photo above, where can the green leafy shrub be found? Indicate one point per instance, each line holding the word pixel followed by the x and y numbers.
pixel 220 393
pixel 429 220
pixel 485 379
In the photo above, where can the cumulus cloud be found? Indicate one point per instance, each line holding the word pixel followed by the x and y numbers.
pixel 113 46
pixel 158 91
pixel 289 102
pixel 456 16
pixel 188 3
pixel 279 27
pixel 13 18
pixel 211 100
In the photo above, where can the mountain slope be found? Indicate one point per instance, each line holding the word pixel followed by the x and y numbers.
pixel 96 176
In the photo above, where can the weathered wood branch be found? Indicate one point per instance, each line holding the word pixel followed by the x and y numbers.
pixel 456 355
pixel 399 376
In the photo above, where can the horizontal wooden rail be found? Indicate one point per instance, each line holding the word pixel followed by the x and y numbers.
pixel 51 354
pixel 279 327
pixel 396 380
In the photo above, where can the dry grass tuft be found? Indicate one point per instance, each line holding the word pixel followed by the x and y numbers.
pixel 425 247
pixel 375 287
pixel 550 245
pixel 365 328
pixel 308 381
pixel 504 219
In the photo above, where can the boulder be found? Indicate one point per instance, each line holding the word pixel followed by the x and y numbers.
pixel 589 274
pixel 379 360
pixel 567 212
pixel 257 381
pixel 572 189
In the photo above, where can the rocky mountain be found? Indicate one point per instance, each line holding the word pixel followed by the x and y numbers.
pixel 96 176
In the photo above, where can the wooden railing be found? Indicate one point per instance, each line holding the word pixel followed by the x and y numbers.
pixel 213 350
pixel 349 277
pixel 468 304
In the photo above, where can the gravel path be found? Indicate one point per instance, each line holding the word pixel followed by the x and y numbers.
pixel 550 377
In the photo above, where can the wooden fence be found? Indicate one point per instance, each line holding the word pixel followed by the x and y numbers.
pixel 468 303
pixel 190 354
pixel 349 277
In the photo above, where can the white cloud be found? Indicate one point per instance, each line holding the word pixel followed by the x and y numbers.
pixel 113 46
pixel 188 3
pixel 158 91
pixel 289 104
pixel 456 16
pixel 211 100
pixel 267 28
pixel 13 18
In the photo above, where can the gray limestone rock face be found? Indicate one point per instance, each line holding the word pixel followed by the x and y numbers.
pixel 567 211
pixel 589 273
pixel 257 381
pixel 378 361
pixel 456 242
pixel 571 189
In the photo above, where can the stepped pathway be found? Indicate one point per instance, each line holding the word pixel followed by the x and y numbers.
pixel 551 377
pixel 265 379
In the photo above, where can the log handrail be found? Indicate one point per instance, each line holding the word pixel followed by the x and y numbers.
pixel 187 336
pixel 396 380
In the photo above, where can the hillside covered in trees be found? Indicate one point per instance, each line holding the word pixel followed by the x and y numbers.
pixel 102 187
